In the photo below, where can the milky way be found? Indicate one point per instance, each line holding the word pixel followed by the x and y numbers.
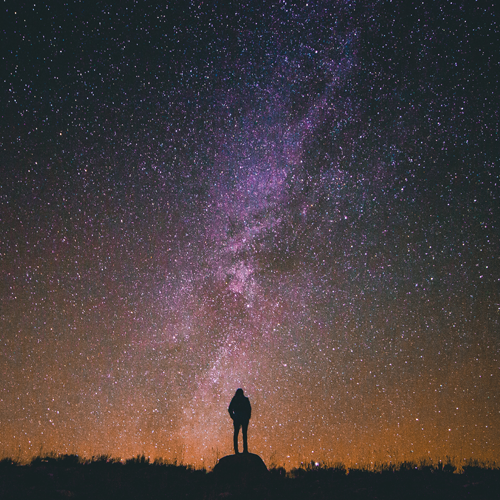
pixel 298 199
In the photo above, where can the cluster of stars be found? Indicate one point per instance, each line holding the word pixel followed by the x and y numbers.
pixel 297 199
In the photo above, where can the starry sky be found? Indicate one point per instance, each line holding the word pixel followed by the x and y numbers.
pixel 299 199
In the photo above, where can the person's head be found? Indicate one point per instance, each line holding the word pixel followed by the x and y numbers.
pixel 239 393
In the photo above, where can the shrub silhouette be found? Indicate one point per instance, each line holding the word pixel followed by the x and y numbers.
pixel 103 477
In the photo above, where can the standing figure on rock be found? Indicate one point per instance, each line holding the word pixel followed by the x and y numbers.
pixel 240 411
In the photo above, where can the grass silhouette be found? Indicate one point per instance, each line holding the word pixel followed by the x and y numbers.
pixel 103 477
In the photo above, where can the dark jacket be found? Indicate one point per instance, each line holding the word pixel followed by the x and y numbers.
pixel 239 408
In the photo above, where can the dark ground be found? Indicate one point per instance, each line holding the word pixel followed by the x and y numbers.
pixel 67 477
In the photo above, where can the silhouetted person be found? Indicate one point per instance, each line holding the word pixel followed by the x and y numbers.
pixel 240 411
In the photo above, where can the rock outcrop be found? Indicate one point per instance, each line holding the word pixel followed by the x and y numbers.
pixel 244 475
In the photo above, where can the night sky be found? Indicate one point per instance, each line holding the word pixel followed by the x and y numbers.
pixel 299 199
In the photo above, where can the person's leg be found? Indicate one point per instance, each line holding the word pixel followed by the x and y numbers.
pixel 244 428
pixel 235 437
